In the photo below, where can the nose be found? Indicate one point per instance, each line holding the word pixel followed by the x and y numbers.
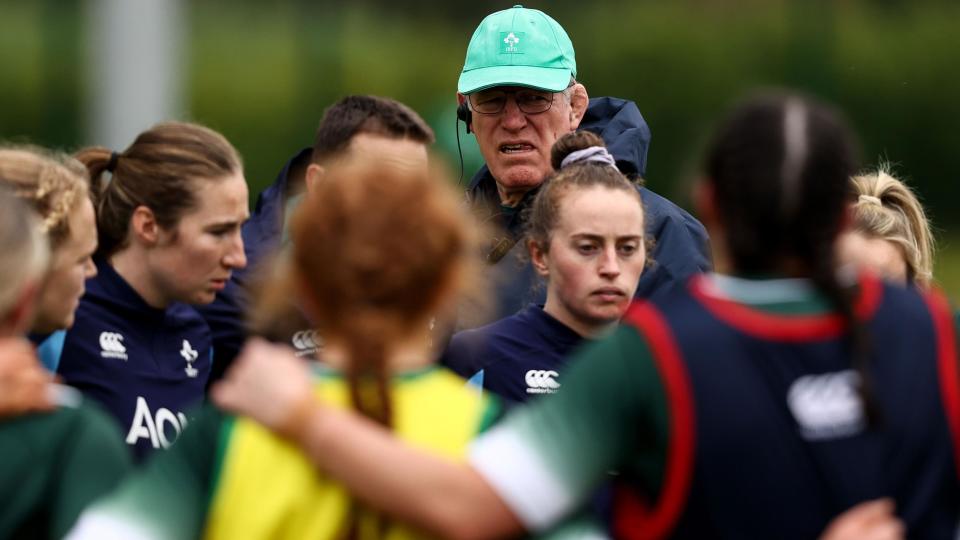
pixel 609 263
pixel 235 257
pixel 513 118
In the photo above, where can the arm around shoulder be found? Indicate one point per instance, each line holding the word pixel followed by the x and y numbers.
pixel 443 497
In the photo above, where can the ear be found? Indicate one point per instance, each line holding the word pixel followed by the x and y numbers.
pixel 579 101
pixel 314 176
pixel 144 226
pixel 461 99
pixel 539 258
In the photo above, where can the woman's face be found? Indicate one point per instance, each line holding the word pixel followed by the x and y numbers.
pixel 192 262
pixel 880 256
pixel 595 258
pixel 71 265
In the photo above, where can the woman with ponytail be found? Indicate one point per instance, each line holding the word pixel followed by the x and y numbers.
pixel 890 234
pixel 377 252
pixel 585 236
pixel 168 210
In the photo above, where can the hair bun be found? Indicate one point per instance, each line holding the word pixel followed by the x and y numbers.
pixel 870 199
pixel 573 142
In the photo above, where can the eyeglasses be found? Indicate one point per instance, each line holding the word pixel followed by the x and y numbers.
pixel 494 100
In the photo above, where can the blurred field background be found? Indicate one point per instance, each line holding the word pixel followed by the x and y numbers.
pixel 262 73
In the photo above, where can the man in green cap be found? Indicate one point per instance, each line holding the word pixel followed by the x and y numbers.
pixel 518 94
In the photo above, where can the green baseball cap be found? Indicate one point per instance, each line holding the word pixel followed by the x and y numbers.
pixel 518 47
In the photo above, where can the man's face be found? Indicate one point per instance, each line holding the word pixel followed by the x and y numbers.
pixel 516 145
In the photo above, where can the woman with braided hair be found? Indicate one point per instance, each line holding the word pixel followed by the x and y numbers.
pixel 56 186
pixel 585 236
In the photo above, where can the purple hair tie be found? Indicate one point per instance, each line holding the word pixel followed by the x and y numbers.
pixel 592 153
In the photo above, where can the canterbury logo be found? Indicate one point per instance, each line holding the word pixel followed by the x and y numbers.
pixel 541 381
pixel 111 344
pixel 827 406
pixel 306 342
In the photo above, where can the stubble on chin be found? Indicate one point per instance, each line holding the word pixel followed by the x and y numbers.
pixel 520 178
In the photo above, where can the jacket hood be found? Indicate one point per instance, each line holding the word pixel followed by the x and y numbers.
pixel 623 129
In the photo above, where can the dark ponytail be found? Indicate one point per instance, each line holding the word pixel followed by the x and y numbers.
pixel 780 168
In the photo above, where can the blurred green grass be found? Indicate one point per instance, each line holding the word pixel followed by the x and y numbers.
pixel 262 73
pixel 947 267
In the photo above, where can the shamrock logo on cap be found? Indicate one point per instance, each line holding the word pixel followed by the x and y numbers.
pixel 509 42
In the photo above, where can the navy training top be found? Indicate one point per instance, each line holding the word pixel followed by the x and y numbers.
pixel 146 366
pixel 516 357
pixel 769 435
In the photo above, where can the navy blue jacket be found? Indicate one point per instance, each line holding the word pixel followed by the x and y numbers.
pixel 262 235
pixel 681 247
pixel 517 357
pixel 146 366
